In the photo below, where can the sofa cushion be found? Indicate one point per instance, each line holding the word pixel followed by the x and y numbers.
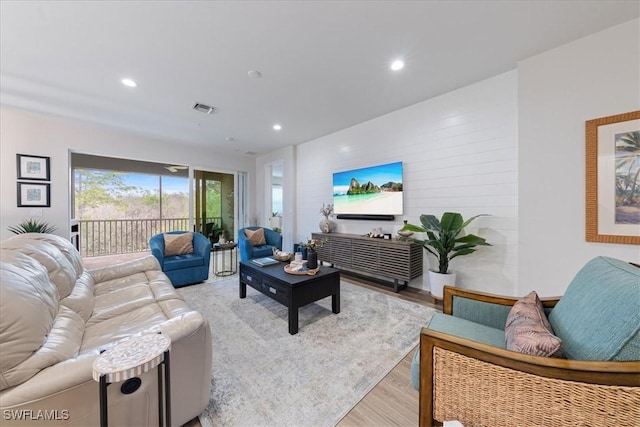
pixel 598 316
pixel 26 288
pixel 45 249
pixel 528 331
pixel 178 244
pixel 256 237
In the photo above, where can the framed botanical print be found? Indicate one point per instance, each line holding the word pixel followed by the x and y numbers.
pixel 34 195
pixel 33 167
pixel 613 179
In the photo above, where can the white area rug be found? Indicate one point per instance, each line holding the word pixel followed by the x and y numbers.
pixel 262 376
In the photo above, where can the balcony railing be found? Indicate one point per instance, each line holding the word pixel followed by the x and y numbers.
pixel 121 236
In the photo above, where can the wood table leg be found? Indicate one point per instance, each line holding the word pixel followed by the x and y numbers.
pixel 293 320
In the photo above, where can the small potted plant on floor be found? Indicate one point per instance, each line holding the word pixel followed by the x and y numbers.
pixel 446 240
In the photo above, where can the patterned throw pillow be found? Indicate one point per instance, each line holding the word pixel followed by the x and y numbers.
pixel 178 244
pixel 256 237
pixel 528 331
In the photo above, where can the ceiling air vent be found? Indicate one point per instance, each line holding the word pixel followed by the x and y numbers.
pixel 203 108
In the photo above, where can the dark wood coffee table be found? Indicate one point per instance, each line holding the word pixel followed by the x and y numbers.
pixel 291 290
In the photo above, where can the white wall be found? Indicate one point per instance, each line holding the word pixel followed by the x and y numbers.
pixel 460 154
pixel 559 90
pixel 28 133
pixel 287 156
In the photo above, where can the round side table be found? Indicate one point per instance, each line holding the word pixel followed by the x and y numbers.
pixel 132 358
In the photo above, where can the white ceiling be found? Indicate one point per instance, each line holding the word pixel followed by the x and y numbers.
pixel 324 64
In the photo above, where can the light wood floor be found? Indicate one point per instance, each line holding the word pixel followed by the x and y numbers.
pixel 393 401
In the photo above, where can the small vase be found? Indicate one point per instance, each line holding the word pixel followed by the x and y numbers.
pixel 326 225
pixel 312 260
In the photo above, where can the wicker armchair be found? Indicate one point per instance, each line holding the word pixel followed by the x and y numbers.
pixel 482 384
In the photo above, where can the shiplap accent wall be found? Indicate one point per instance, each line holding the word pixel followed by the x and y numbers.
pixel 460 153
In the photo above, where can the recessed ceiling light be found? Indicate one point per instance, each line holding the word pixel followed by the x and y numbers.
pixel 397 65
pixel 129 82
pixel 277 127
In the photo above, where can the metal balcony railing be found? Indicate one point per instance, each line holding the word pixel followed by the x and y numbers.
pixel 121 236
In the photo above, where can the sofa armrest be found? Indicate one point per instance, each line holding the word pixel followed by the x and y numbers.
pixel 156 245
pixel 481 307
pixel 245 246
pixel 479 384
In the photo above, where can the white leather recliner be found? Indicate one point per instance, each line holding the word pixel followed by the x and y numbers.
pixel 56 317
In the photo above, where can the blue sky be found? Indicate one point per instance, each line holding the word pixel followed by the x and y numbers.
pixel 150 182
pixel 378 175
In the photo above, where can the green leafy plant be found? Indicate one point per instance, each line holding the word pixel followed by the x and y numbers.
pixel 446 238
pixel 32 226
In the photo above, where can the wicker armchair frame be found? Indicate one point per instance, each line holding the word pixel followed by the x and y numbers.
pixel 481 385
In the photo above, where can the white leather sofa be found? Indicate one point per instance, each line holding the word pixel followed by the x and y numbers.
pixel 56 317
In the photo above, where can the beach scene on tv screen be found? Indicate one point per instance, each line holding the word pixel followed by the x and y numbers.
pixel 373 190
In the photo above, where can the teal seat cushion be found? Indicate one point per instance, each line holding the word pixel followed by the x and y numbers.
pixel 598 318
pixel 462 328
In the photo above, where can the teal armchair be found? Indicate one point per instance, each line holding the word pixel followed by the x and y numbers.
pixel 464 371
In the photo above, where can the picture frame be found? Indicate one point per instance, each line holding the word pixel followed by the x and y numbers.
pixel 35 168
pixel 613 179
pixel 34 195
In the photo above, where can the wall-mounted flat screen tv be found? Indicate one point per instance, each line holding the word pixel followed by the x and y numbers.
pixel 376 190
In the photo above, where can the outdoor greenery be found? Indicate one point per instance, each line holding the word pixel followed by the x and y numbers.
pixel 102 195
pixel 117 217
pixel 628 178
pixel 446 238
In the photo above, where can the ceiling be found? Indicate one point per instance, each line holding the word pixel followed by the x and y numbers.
pixel 324 64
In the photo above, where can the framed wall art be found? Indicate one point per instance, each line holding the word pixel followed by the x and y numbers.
pixel 33 167
pixel 613 179
pixel 31 195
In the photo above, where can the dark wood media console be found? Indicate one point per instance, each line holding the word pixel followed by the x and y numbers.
pixel 393 259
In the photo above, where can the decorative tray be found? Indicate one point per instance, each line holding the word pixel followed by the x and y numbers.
pixel 311 272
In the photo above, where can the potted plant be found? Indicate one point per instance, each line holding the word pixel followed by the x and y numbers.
pixel 446 240
pixel 312 247
pixel 32 226
pixel 275 221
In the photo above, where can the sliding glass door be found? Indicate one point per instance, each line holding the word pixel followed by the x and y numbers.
pixel 214 205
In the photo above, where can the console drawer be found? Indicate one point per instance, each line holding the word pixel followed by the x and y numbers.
pixel 275 291
pixel 251 280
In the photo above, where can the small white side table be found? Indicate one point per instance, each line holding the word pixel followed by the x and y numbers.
pixel 130 359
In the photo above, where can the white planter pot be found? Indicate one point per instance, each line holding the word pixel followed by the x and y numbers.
pixel 437 282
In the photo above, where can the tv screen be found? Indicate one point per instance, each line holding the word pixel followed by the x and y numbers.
pixel 376 190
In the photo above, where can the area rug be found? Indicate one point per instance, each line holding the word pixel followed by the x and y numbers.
pixel 262 376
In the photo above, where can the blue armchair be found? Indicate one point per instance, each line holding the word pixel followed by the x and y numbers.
pixel 248 251
pixel 185 269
